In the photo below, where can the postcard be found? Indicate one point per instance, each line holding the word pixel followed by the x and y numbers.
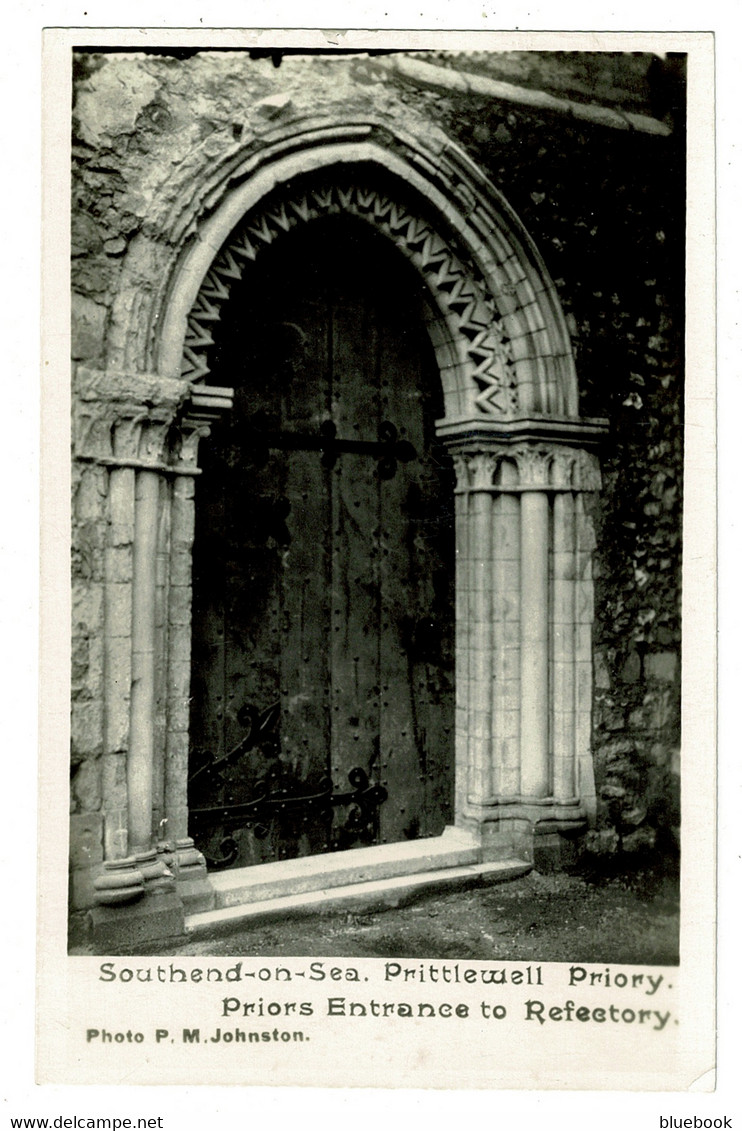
pixel 378 609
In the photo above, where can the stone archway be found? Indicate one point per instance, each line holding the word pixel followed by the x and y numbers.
pixel 498 310
pixel 475 353
pixel 524 540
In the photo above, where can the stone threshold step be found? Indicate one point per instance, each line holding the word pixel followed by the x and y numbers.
pixel 262 882
pixel 374 895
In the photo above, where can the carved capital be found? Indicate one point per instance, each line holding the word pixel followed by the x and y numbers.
pixel 185 440
pixel 206 404
pixel 143 420
pixel 475 471
pixel 526 466
pixel 535 464
pixel 124 418
pixel 586 472
pixel 555 467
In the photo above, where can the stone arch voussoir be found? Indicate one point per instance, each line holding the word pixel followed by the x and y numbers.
pixel 467 333
pixel 497 329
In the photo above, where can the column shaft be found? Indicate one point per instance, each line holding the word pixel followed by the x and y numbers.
pixel 506 647
pixel 584 614
pixel 141 734
pixel 462 652
pixel 563 647
pixel 179 657
pixel 480 657
pixel 119 554
pixel 534 653
pixel 162 602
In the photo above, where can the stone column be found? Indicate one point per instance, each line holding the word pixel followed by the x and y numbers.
pixel 117 646
pixel 584 613
pixel 139 768
pixel 562 647
pixel 179 657
pixel 194 427
pixel 143 431
pixel 121 424
pixel 524 610
pixel 480 636
pixel 506 595
pixel 462 584
pixel 206 405
pixel 534 644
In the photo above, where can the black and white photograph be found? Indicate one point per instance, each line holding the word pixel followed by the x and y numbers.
pixel 378 405
pixel 378 394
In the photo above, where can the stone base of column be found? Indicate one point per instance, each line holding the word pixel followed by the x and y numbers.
pixel 191 878
pixel 122 929
pixel 137 902
pixel 531 830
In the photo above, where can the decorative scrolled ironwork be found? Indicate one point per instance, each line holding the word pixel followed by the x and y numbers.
pixel 261 731
pixel 272 800
pixel 362 799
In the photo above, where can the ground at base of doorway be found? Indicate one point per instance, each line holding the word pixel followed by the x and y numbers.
pixel 616 910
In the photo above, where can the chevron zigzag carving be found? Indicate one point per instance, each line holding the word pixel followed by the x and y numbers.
pixel 488 358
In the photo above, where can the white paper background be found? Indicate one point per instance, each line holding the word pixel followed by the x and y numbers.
pixel 187 1107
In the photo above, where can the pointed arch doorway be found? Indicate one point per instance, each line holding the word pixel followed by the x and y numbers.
pixel 322 680
pixel 525 475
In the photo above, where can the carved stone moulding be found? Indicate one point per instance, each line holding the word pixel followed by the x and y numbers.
pixel 459 291
pixel 524 455
pixel 120 881
pixel 466 432
pixel 144 421
pixel 519 827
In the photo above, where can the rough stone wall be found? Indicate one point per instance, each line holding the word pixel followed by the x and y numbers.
pixel 87 671
pixel 605 208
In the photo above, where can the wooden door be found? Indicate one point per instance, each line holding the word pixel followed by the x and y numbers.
pixel 322 664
